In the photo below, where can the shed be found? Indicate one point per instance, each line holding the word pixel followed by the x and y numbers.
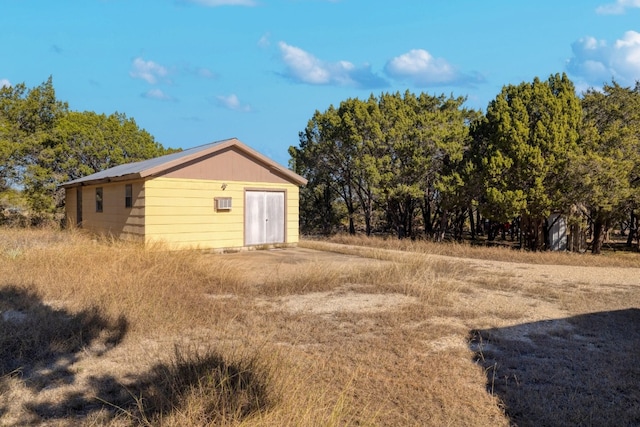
pixel 216 196
pixel 557 232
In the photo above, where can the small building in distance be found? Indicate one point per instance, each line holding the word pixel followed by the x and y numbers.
pixel 558 236
pixel 217 196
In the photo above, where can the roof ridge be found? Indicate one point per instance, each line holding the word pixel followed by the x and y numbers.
pixel 157 165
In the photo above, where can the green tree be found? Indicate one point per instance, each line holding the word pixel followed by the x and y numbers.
pixel 446 133
pixel 318 199
pixel 526 140
pixel 361 127
pixel 608 173
pixel 380 157
pixel 83 143
pixel 43 144
pixel 332 156
pixel 404 164
pixel 425 140
pixel 27 118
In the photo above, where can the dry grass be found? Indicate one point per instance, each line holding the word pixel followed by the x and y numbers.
pixel 101 332
pixel 609 258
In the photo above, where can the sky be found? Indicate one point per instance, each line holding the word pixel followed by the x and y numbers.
pixel 192 72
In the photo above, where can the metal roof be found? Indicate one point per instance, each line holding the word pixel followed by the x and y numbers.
pixel 160 164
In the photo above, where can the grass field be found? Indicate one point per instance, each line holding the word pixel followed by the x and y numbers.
pixel 342 332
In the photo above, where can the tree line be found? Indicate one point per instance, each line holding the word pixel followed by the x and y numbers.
pixel 43 144
pixel 426 165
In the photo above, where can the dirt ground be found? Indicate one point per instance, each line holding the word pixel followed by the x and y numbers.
pixel 560 345
pixel 557 345
pixel 346 299
pixel 520 283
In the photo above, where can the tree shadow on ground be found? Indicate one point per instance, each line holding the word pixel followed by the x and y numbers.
pixel 39 343
pixel 581 370
pixel 202 388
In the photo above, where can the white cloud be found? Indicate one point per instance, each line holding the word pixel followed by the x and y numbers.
pixel 423 69
pixel 232 102
pixel 5 82
pixel 147 70
pixel 597 62
pixel 205 73
pixel 265 40
pixel 304 67
pixel 617 8
pixel 215 3
pixel 157 94
pixel 194 71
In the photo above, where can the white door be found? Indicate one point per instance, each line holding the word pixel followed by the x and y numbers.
pixel 264 217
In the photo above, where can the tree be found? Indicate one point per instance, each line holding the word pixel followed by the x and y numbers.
pixel 446 132
pixel 318 209
pixel 43 144
pixel 608 172
pixel 425 139
pixel 380 157
pixel 27 118
pixel 83 143
pixel 325 167
pixel 527 138
pixel 361 126
pixel 404 162
pixel 337 154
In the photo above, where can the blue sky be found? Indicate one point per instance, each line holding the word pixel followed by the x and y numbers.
pixel 195 71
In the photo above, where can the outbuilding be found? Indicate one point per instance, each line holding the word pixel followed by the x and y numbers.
pixel 221 195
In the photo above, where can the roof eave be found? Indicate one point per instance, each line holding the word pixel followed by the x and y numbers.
pixel 233 142
pixel 128 177
pixel 291 175
pixel 222 145
pixel 186 159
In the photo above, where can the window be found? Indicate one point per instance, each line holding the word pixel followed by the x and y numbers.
pixel 223 203
pixel 99 199
pixel 128 196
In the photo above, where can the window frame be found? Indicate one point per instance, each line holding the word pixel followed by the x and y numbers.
pixel 223 204
pixel 128 196
pixel 99 199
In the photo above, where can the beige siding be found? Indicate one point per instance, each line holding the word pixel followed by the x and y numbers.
pixel 229 164
pixel 70 206
pixel 182 214
pixel 115 219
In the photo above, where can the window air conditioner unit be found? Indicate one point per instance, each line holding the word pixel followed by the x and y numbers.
pixel 223 203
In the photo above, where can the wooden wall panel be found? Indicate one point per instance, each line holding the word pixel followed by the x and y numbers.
pixel 115 219
pixel 181 212
pixel 230 164
pixel 70 207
